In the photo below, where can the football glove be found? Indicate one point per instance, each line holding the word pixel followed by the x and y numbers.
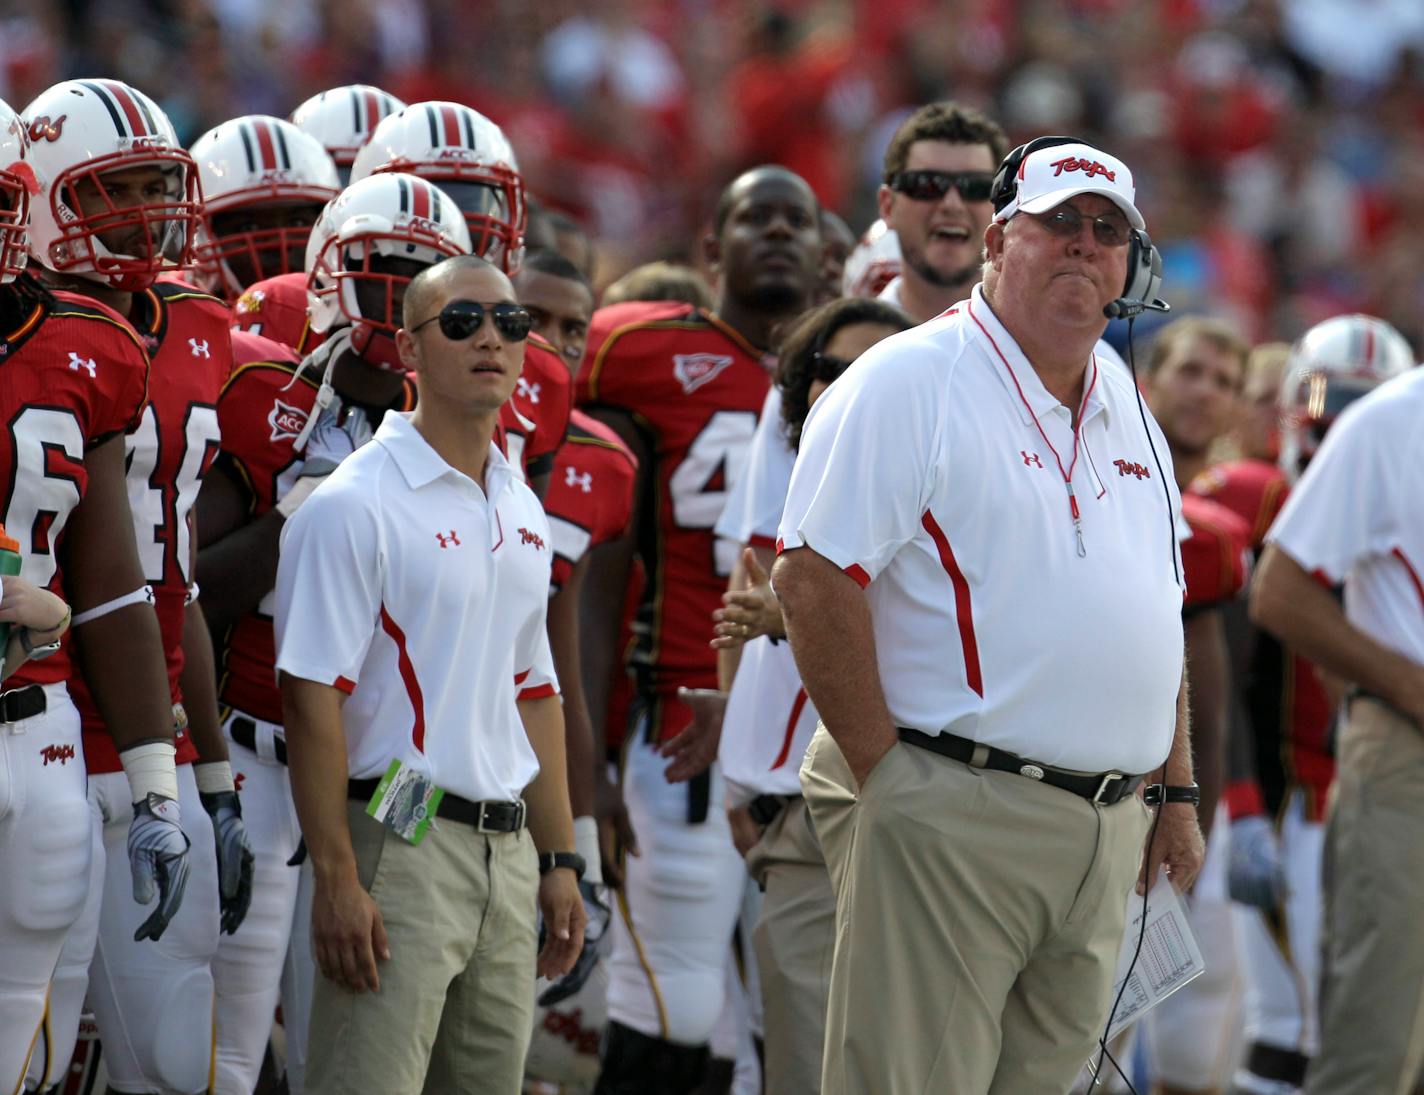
pixel 1255 875
pixel 235 858
pixel 158 858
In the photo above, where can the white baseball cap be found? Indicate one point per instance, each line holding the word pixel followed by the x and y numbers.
pixel 1049 176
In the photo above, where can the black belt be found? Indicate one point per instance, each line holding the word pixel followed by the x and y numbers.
pixel 489 816
pixel 1104 788
pixel 764 809
pixel 22 703
pixel 244 732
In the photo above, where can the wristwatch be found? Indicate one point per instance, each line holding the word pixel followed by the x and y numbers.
pixel 551 861
pixel 44 650
pixel 1158 794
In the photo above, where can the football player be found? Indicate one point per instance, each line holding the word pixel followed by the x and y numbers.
pixel 264 184
pixel 682 388
pixel 468 156
pixel 342 119
pixel 285 426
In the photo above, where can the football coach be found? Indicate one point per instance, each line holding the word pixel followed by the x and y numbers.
pixel 982 590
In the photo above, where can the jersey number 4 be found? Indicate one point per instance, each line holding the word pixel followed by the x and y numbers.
pixel 705 478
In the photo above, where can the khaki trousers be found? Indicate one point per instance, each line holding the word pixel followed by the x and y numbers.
pixel 795 938
pixel 1372 998
pixel 456 1004
pixel 979 917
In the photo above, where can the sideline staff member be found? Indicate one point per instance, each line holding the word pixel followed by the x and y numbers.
pixel 411 599
pixel 1010 670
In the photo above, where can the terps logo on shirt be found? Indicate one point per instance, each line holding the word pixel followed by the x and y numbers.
pixel 694 370
pixel 1127 467
pixel 286 421
pixel 1088 167
pixel 527 537
pixel 57 753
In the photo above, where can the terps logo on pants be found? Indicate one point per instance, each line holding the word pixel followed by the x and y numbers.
pixel 527 537
pixel 286 421
pixel 58 754
pixel 694 370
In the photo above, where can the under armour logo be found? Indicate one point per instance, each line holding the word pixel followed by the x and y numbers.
pixel 527 537
pixel 1030 459
pixel 574 478
pixel 57 753
pixel 1127 467
pixel 200 349
pixel 76 363
pixel 446 541
pixel 237 778
pixel 529 391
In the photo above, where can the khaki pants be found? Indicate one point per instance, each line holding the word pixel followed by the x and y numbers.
pixel 979 917
pixel 795 937
pixel 1372 1013
pixel 456 1004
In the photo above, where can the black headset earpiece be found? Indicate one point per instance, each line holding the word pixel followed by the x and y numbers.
pixel 1144 280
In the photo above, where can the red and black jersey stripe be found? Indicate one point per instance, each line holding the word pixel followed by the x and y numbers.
pixel 129 112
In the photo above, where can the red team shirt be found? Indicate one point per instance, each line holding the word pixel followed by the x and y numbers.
pixel 75 375
pixel 261 410
pixel 590 498
pixel 1290 710
pixel 695 388
pixel 276 309
pixel 168 452
pixel 1214 558
pixel 535 419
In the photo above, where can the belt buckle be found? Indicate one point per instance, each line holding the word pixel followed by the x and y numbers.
pixel 1108 777
pixel 482 825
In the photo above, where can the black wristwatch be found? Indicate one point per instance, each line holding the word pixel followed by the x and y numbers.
pixel 1158 794
pixel 552 861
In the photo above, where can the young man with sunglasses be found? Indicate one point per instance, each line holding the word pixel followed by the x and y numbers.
pixel 412 653
pixel 935 196
pixel 985 608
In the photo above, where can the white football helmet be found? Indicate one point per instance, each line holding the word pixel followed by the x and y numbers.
pixel 247 164
pixel 17 183
pixel 468 156
pixel 81 131
pixel 368 243
pixel 873 263
pixel 1331 366
pixel 343 119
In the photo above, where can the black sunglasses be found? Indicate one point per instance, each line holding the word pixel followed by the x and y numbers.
pixel 931 186
pixel 828 367
pixel 1109 229
pixel 462 318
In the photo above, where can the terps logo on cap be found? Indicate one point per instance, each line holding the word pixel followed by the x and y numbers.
pixel 1088 167
pixel 694 370
pixel 286 421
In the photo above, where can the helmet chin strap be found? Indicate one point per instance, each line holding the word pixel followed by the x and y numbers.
pixel 325 356
pixel 381 352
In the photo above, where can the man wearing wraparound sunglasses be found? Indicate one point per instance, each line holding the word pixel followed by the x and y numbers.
pixel 935 196
pixel 412 656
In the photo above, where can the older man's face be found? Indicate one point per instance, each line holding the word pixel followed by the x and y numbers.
pixel 475 374
pixel 1072 277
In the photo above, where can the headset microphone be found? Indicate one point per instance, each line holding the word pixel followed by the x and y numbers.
pixel 1144 279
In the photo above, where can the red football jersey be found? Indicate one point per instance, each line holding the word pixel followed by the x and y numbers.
pixel 74 374
pixel 694 387
pixel 590 498
pixel 1252 489
pixel 1214 558
pixel 276 308
pixel 168 453
pixel 1289 709
pixel 261 410
pixel 535 419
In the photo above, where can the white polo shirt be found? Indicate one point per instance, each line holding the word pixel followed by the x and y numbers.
pixel 1357 515
pixel 752 512
pixel 928 473
pixel 402 583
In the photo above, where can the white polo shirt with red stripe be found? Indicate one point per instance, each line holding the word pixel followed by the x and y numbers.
pixel 936 472
pixel 404 584
pixel 1357 515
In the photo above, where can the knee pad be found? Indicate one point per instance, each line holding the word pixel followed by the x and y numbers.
pixel 638 1064
pixel 171 1045
pixel 49 895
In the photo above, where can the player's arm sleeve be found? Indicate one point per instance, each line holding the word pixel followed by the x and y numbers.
pixel 1342 510
pixel 865 471
pixel 329 581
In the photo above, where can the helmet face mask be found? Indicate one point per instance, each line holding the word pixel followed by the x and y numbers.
pixel 17 183
pixel 258 241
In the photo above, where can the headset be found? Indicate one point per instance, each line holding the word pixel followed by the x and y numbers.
pixel 1144 261
pixel 1139 294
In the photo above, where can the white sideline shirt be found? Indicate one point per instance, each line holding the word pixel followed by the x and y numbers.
pixel 1357 514
pixel 403 584
pixel 923 475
